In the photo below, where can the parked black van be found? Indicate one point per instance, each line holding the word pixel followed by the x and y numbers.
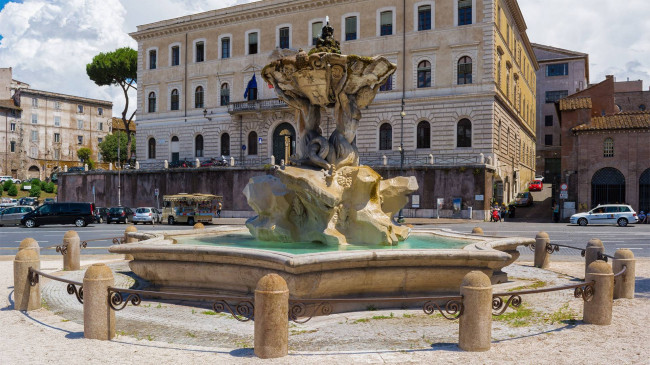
pixel 79 214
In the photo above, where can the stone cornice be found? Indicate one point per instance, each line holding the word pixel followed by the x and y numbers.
pixel 232 15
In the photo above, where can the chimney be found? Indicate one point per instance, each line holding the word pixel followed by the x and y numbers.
pixel 609 77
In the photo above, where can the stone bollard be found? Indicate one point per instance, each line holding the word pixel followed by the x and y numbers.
pixel 65 168
pixel 99 317
pixel 477 230
pixel 599 309
pixel 85 167
pixel 271 321
pixel 71 258
pixel 26 297
pixel 594 246
pixel 475 327
pixel 129 239
pixel 165 164
pixel 272 160
pixel 199 226
pixel 541 255
pixel 430 159
pixel 384 160
pixel 29 243
pixel 232 161
pixel 197 163
pixel 110 166
pixel 137 165
pixel 624 284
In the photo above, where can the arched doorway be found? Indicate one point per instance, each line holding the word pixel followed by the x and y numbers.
pixel 284 142
pixel 34 172
pixel 644 191
pixel 607 187
pixel 175 149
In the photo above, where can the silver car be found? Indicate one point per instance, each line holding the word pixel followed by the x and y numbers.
pixel 12 216
pixel 147 215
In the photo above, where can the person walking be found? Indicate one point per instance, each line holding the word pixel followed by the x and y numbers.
pixel 219 206
pixel 643 218
pixel 503 212
pixel 556 212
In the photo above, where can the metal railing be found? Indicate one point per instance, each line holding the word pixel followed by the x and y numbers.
pixel 584 290
pixel 34 275
pixel 63 249
pixel 256 105
pixel 551 248
pixel 413 158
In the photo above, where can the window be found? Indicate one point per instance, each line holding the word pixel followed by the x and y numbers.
pixel 13 146
pixel 548 139
pixel 464 12
pixel 152 102
pixel 424 135
pixel 57 154
pixel 100 111
pixel 13 126
pixel 424 17
pixel 152 148
pixel 553 96
pixel 548 120
pixel 608 148
pixel 385 137
pixel 464 70
pixel 225 94
pixel 316 28
pixel 80 124
pixel 252 143
pixel 507 80
pixel 642 107
pixel 225 144
pixel 386 21
pixel 100 126
pixel 57 121
pixel 34 136
pixel 283 34
pixel 251 90
pixel 57 105
pixel 57 137
pixel 558 69
pixel 464 133
pixel 35 102
pixel 252 43
pixel 424 74
pixel 198 97
pixel 80 109
pixel 176 55
pixel 388 85
pixel 34 118
pixel 198 146
pixel 175 105
pixel 350 28
pixel 153 57
pixel 199 52
pixel 33 152
pixel 80 139
pixel 225 47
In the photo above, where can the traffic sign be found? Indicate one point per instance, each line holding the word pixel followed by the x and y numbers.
pixel 564 194
pixel 156 192
pixel 564 187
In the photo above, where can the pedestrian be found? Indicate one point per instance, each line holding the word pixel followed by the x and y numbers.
pixel 643 218
pixel 556 212
pixel 219 206
pixel 503 212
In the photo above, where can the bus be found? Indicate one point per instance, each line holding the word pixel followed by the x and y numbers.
pixel 190 208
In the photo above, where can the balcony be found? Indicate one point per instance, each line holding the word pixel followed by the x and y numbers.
pixel 255 106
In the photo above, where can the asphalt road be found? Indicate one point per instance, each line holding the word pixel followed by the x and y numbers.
pixel 634 237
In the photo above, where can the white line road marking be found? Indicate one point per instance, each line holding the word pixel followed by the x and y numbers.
pixel 631 248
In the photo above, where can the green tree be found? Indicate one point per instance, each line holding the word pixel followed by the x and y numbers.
pixel 35 182
pixel 35 191
pixel 84 153
pixel 108 147
pixel 13 190
pixel 49 187
pixel 117 68
pixel 7 184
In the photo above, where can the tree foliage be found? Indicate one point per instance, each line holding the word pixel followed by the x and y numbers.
pixel 117 68
pixel 108 147
pixel 84 154
pixel 35 191
pixel 48 187
pixel 7 185
pixel 13 190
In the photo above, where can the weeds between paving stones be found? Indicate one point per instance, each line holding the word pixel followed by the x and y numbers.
pixel 536 285
pixel 300 332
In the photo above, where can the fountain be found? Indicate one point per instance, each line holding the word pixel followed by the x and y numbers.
pixel 324 223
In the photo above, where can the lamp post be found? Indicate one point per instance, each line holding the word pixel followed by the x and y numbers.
pixel 119 179
pixel 402 114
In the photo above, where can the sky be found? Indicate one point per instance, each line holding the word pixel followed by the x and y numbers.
pixel 49 42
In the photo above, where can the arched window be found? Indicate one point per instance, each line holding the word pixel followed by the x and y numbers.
pixel 152 102
pixel 424 135
pixel 644 191
pixel 225 144
pixel 198 97
pixel 464 70
pixel 152 148
pixel 608 148
pixel 198 146
pixel 252 143
pixel 225 94
pixel 386 137
pixel 424 74
pixel 464 133
pixel 175 149
pixel 175 105
pixel 607 187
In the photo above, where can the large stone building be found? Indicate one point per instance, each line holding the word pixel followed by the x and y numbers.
pixel 41 131
pixel 465 80
pixel 561 73
pixel 605 149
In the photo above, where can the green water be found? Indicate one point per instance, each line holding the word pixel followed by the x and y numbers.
pixel 245 240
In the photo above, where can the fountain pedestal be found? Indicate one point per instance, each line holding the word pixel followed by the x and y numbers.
pixel 351 204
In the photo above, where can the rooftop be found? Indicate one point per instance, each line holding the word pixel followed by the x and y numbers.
pixel 630 120
pixel 575 103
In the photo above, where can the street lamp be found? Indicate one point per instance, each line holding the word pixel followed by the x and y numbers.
pixel 119 179
pixel 402 114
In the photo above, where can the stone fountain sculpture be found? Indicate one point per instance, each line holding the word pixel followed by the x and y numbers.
pixel 327 197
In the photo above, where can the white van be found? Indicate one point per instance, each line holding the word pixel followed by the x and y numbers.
pixel 620 214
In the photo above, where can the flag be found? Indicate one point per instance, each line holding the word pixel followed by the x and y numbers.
pixel 16 97
pixel 252 84
pixel 270 86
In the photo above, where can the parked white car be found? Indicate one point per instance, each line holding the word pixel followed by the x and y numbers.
pixel 8 202
pixel 620 214
pixel 147 215
pixel 5 178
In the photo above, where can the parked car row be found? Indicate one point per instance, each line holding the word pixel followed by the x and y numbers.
pixel 5 178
